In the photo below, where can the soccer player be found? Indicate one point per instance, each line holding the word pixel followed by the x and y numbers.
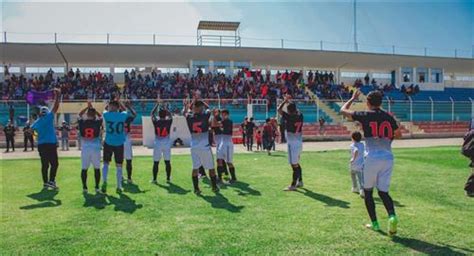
pixel 242 129
pixel 380 128
pixel 225 147
pixel 162 144
pixel 47 142
pixel 89 130
pixel 114 140
pixel 249 130
pixel 128 152
pixel 267 136
pixel 9 132
pixel 28 137
pixel 357 163
pixel 201 153
pixel 294 137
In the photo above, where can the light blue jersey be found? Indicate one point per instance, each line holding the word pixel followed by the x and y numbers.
pixel 44 126
pixel 114 127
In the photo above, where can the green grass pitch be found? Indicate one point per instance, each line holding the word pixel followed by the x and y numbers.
pixel 253 217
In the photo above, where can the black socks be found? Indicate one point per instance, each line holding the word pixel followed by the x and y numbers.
pixel 387 202
pixel 232 173
pixel 97 177
pixel 84 178
pixel 370 204
pixel 168 169
pixel 155 169
pixel 195 182
pixel 129 169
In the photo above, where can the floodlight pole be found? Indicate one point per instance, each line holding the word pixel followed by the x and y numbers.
pixel 355 25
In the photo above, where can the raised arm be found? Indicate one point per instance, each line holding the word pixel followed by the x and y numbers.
pixel 128 105
pixel 57 94
pixel 280 107
pixel 345 109
pixel 83 111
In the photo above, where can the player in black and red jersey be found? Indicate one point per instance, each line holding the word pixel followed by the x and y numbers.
pixel 225 146
pixel 201 152
pixel 162 144
pixel 380 128
pixel 294 137
pixel 90 126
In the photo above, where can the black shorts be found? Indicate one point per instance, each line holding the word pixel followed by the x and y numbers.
pixel 117 151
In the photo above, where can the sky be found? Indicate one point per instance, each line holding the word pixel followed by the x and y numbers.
pixel 441 26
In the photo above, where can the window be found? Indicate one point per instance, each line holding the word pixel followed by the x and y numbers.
pixel 421 75
pixel 381 75
pixel 44 70
pixel 174 70
pixel 353 74
pixel 436 75
pixel 407 74
pixel 464 78
pixel 122 70
pixel 11 69
pixel 92 69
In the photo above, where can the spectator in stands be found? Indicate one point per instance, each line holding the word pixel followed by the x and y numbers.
pixel 64 129
pixel 9 131
pixel 28 137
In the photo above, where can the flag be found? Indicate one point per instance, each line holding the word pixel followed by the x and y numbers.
pixel 33 97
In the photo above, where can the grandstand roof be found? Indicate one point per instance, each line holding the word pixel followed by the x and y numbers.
pixel 105 55
pixel 218 25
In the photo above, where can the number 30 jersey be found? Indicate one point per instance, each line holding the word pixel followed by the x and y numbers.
pixel 114 127
pixel 198 125
pixel 379 128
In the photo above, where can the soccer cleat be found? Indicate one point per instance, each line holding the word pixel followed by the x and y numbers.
pixel 197 192
pixel 361 193
pixel 290 188
pixel 85 190
pixel 299 184
pixel 154 182
pixel 470 193
pixel 97 190
pixel 392 225
pixel 52 184
pixel 355 190
pixel 168 180
pixel 119 190
pixel 232 181
pixel 373 226
pixel 45 185
pixel 215 189
pixel 129 181
pixel 104 187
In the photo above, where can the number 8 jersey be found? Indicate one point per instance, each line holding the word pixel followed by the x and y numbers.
pixel 114 127
pixel 379 128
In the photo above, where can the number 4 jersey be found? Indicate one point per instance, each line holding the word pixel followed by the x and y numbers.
pixel 114 127
pixel 379 128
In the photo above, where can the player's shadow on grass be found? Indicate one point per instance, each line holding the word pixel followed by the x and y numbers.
pixel 244 189
pixel 45 198
pixel 97 201
pixel 396 203
pixel 124 203
pixel 329 201
pixel 429 248
pixel 132 188
pixel 221 202
pixel 174 189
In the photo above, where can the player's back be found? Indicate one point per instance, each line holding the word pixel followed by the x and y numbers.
pixel 379 129
pixel 115 127
pixel 227 130
pixel 294 125
pixel 162 128
pixel 198 125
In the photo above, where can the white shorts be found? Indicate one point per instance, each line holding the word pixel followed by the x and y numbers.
pixel 127 148
pixel 202 157
pixel 90 154
pixel 377 173
pixel 162 148
pixel 225 151
pixel 294 151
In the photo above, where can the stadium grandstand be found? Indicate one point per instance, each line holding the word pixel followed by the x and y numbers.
pixel 431 96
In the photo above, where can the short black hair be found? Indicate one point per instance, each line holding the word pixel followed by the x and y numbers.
pixel 375 98
pixel 225 111
pixel 91 111
pixel 291 107
pixel 198 103
pixel 251 119
pixel 162 113
pixel 356 136
pixel 114 103
pixel 267 120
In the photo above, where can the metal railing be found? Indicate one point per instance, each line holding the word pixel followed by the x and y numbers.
pixel 158 39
